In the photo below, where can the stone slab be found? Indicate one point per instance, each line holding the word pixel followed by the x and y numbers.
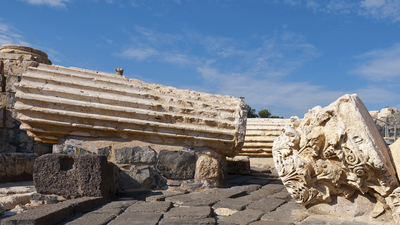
pixel 91 218
pixel 197 221
pixel 266 204
pixel 189 212
pixel 243 217
pixel 137 154
pixel 229 206
pixel 156 207
pixel 143 218
pixel 73 175
pixel 291 212
pixel 55 213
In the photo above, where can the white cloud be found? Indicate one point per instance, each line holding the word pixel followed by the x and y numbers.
pixel 51 3
pixel 10 35
pixel 380 9
pixel 382 64
pixel 139 54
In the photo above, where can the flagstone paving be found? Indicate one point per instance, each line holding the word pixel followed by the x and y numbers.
pixel 254 199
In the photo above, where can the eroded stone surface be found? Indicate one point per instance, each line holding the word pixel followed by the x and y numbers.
pixel 334 150
pixel 137 154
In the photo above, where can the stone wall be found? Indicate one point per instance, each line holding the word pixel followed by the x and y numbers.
pixel 14 60
pixel 144 166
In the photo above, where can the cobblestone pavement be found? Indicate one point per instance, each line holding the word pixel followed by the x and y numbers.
pixel 254 199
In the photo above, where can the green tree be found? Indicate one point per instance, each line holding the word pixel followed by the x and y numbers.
pixel 264 113
pixel 251 113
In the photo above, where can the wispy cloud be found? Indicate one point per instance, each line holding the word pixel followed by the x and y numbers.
pixel 381 64
pixel 139 54
pixel 244 67
pixel 51 3
pixel 378 9
pixel 10 35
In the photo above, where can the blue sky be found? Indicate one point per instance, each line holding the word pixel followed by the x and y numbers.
pixel 283 55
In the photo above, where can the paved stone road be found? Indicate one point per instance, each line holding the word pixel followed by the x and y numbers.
pixel 255 199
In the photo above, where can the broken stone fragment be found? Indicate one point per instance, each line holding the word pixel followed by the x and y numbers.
pixel 55 102
pixel 335 150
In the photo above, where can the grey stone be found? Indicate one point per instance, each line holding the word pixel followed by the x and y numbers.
pixel 161 195
pixel 136 179
pixel 261 193
pixel 137 154
pixel 9 100
pixel 205 198
pixel 69 149
pixel 229 206
pixel 47 199
pixel 250 188
pixel 16 166
pixel 180 221
pixel 266 204
pixel 290 213
pixel 55 213
pixel 11 122
pixel 143 218
pixel 238 165
pixel 176 164
pixel 189 212
pixel 104 151
pixel 73 175
pixel 243 217
pixel 157 207
pixel 91 218
pixel 120 204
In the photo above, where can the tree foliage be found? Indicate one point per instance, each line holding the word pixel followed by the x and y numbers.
pixel 263 113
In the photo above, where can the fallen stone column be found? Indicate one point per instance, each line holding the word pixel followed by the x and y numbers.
pixel 260 136
pixel 336 150
pixel 55 102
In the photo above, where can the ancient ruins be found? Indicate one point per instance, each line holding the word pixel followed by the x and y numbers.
pixel 180 156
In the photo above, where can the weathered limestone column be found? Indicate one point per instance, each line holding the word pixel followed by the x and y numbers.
pixel 336 150
pixel 15 60
pixel 55 102
pixel 260 136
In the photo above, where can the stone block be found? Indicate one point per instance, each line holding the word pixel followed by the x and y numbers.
pixel 154 207
pixel 73 175
pixel 9 99
pixel 211 169
pixel 176 164
pixel 137 218
pixel 136 178
pixel 104 151
pixel 189 212
pixel 41 148
pixel 243 217
pixel 187 221
pixel 16 167
pixel 238 165
pixel 11 121
pixel 137 154
pixel 10 81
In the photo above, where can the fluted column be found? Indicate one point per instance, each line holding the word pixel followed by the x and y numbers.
pixel 55 102
pixel 260 136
